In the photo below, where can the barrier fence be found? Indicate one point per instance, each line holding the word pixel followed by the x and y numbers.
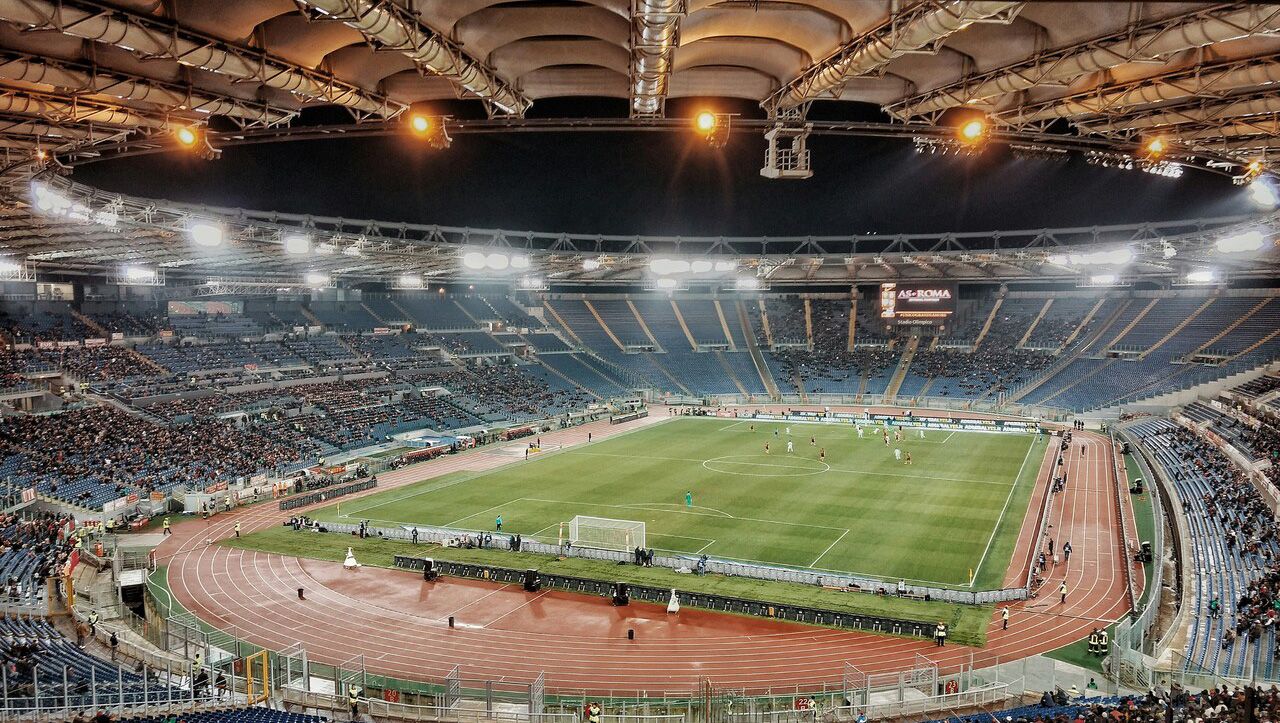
pixel 501 541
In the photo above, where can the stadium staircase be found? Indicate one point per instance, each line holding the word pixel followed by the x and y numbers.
pixel 1080 351
pixel 568 380
pixel 1034 323
pixel 611 372
pixel 1178 329
pixel 764 323
pixel 546 304
pixel 724 325
pixel 146 361
pixel 1129 327
pixel 1084 323
pixel 693 343
pixel 1232 327
pixel 986 326
pixel 762 367
pixel 729 373
pixel 94 326
pixel 657 364
pixel 1253 346
pixel 808 322
pixel 310 316
pixel 600 320
pixel 853 322
pixel 643 326
pixel 900 374
pixel 374 314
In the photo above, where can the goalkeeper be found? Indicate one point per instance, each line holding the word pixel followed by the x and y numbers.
pixel 688 498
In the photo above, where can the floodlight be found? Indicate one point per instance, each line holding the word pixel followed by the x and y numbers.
pixel 410 281
pixel 297 244
pixel 316 278
pixel 473 260
pixel 206 233
pixel 1156 146
pixel 1102 279
pixel 1263 194
pixel 665 283
pixel 590 264
pixel 705 121
pixel 725 266
pixel 8 267
pixel 973 131
pixel 1241 242
pixel 1201 277
pixel 519 261
pixel 420 123
pixel 497 261
pixel 747 283
pixel 187 136
pixel 701 266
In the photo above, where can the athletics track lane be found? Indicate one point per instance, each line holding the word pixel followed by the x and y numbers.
pixel 504 633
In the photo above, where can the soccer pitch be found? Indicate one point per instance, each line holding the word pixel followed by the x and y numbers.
pixel 957 507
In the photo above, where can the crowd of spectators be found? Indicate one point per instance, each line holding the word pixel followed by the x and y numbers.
pixel 94 454
pixel 830 366
pixel 31 549
pixel 1221 704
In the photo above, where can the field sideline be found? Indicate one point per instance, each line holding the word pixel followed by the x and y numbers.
pixel 958 507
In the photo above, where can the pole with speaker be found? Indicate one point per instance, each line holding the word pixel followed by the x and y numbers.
pixel 621 594
pixel 532 583
pixel 429 570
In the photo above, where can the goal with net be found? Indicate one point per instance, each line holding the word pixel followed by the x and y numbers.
pixel 603 533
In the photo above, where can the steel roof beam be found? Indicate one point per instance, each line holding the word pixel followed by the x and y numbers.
pixel 170 98
pixel 921 27
pixel 1212 81
pixel 393 27
pixel 1147 43
pixel 1171 119
pixel 655 34
pixel 151 38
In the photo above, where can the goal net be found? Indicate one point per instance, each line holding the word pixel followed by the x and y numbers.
pixel 603 533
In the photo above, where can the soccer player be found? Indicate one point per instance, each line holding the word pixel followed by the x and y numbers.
pixel 922 433
pixel 897 453
pixel 497 522
pixel 688 496
pixel 908 458
pixel 886 439
pixel 788 431
pixel 753 426
pixel 790 447
pixel 860 430
pixel 897 435
pixel 766 448
pixel 813 441
pixel 822 454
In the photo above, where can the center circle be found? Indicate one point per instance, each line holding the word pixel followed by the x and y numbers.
pixel 764 465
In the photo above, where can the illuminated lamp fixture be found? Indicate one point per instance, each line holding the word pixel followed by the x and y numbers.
pixel 713 127
pixel 747 283
pixel 701 266
pixel 519 262
pixel 497 261
pixel 1263 193
pixel 726 266
pixel 1156 147
pixel 1241 242
pixel 473 260
pixel 297 243
pixel 409 281
pixel 1205 276
pixel 431 128
pixel 973 132
pixel 207 233
pixel 590 264
pixel 187 136
pixel 315 278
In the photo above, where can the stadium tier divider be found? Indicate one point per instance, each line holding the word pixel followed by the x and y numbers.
pixel 503 541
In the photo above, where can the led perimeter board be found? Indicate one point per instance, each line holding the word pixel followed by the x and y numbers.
pixel 917 304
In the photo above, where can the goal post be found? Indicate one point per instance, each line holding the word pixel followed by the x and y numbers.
pixel 603 533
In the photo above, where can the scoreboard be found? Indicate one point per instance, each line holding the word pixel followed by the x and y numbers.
pixel 917 304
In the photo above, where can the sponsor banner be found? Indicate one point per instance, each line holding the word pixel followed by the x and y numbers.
pixel 916 302
pixel 192 308
pixel 95 342
pixel 381 331
pixel 68 344
pixel 251 367
pixel 117 335
pixel 157 496
pixel 214 488
pixel 29 494
pixel 132 498
pixel 914 421
pixel 258 479
pixel 166 333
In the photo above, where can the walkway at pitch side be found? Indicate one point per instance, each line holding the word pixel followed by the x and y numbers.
pixel 399 623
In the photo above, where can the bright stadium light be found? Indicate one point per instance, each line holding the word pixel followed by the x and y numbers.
pixel 747 283
pixel 705 121
pixel 297 243
pixel 973 131
pixel 519 261
pixel 666 267
pixel 1241 242
pixel 701 266
pixel 315 278
pixel 726 266
pixel 1102 279
pixel 187 136
pixel 1115 257
pixel 1263 193
pixel 1205 276
pixel 665 283
pixel 497 261
pixel 473 260
pixel 9 268
pixel 409 281
pixel 207 233
pixel 1059 259
pixel 420 123
pixel 590 264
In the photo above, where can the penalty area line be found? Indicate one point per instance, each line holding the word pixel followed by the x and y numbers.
pixel 824 552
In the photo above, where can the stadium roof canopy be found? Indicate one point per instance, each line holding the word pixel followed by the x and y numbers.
pixel 82 80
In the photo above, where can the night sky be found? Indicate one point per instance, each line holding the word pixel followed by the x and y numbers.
pixel 666 183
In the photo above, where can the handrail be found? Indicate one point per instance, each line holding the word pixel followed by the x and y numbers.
pixel 1126 544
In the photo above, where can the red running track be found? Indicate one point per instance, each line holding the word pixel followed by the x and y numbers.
pixel 398 622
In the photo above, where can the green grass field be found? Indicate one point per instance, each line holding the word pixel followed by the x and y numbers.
pixel 957 508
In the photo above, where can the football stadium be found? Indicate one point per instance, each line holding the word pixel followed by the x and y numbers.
pixel 639 361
